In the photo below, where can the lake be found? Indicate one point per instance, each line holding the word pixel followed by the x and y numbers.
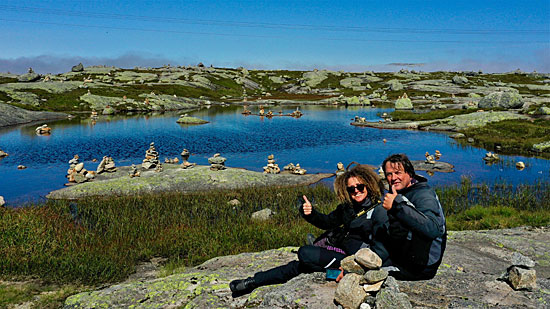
pixel 318 141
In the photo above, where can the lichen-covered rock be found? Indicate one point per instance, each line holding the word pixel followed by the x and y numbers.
pixel 12 115
pixel 542 147
pixel 190 120
pixel 351 82
pixel 521 278
pixel 403 103
pixel 460 80
pixel 262 215
pixel 28 77
pixel 78 68
pixel 519 259
pixel 108 110
pixel 349 292
pixel 351 266
pixel 367 258
pixel 314 78
pixel 373 276
pixel 500 99
pixel 390 299
pixel 394 85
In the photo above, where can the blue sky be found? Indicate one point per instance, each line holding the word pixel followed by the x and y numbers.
pixel 493 36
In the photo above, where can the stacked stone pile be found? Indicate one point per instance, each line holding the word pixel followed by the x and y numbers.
pixel 521 275
pixel 134 171
pixel 429 158
pixel 340 168
pixel 151 158
pixel 171 161
pixel 491 157
pixel 77 173
pixel 184 158
pixel 272 167
pixel 217 162
pixel 366 285
pixel 294 169
pixel 403 102
pixel 43 129
pixel 107 164
pixel 359 119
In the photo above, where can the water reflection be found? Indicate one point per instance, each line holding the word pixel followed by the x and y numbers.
pixel 318 140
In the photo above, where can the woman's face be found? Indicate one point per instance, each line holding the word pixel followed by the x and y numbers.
pixel 357 190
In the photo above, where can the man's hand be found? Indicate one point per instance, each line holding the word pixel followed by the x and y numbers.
pixel 307 206
pixel 389 197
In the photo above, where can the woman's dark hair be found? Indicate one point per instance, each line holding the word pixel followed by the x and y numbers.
pixel 403 160
pixel 366 176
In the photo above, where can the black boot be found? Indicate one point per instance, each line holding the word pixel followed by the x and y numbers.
pixel 242 287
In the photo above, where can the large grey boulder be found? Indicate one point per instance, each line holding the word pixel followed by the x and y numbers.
pixel 460 80
pixel 394 85
pixel 77 68
pixel 403 103
pixel 28 77
pixel 500 99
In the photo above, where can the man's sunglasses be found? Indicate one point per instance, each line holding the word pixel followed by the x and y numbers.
pixel 360 187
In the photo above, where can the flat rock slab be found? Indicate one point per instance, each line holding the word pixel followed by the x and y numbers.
pixel 11 115
pixel 175 179
pixel 467 278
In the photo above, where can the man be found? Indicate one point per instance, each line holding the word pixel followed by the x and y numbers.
pixel 416 233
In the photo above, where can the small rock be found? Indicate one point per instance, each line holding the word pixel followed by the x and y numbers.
pixel 79 167
pixel 519 259
pixel 2 201
pixel 351 266
pixel 364 306
pixel 470 140
pixel 21 167
pixel 349 293
pixel 3 153
pixel 374 276
pixel 391 284
pixel 522 279
pixel 375 287
pixel 367 258
pixel 386 299
pixel 520 165
pixel 234 202
pixel 262 215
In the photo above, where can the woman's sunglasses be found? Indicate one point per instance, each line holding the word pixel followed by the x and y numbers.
pixel 360 187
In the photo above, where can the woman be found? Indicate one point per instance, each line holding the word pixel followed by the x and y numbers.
pixel 356 218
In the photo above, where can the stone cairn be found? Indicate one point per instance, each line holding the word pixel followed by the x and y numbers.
pixel 521 275
pixel 294 169
pixel 3 153
pixel 77 173
pixel 366 283
pixel 43 130
pixel 171 161
pixel 429 158
pixel 151 158
pixel 134 171
pixel 107 164
pixel 184 158
pixel 217 162
pixel 359 119
pixel 340 168
pixel 272 167
pixel 491 157
pixel 437 154
pixel 297 113
pixel 246 111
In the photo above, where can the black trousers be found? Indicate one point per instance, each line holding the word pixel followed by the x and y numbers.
pixel 310 259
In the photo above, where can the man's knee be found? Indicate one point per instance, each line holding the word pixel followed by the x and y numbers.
pixel 308 254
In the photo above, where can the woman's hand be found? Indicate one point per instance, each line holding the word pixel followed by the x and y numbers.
pixel 308 208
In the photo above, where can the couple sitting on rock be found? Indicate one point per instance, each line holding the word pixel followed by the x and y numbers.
pixel 407 229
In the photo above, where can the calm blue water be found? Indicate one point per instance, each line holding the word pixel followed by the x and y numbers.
pixel 318 141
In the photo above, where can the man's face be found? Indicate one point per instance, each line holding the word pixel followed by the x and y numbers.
pixel 396 176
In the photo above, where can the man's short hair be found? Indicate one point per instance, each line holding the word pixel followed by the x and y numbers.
pixel 400 158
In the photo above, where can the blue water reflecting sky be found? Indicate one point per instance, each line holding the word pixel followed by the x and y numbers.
pixel 318 141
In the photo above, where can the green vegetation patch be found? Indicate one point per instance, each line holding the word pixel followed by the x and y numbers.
pixel 430 115
pixel 513 136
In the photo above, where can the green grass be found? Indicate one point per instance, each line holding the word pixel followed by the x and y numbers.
pixel 108 237
pixel 430 115
pixel 513 136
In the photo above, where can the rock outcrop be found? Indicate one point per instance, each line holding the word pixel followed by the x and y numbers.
pixel 468 277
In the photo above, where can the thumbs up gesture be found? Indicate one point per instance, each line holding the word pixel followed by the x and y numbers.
pixel 307 206
pixel 389 197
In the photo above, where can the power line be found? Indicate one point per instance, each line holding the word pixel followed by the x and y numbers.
pixel 274 37
pixel 330 28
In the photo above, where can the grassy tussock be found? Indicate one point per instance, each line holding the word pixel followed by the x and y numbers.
pixel 104 239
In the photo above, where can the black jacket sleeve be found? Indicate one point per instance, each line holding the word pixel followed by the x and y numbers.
pixel 420 215
pixel 326 221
